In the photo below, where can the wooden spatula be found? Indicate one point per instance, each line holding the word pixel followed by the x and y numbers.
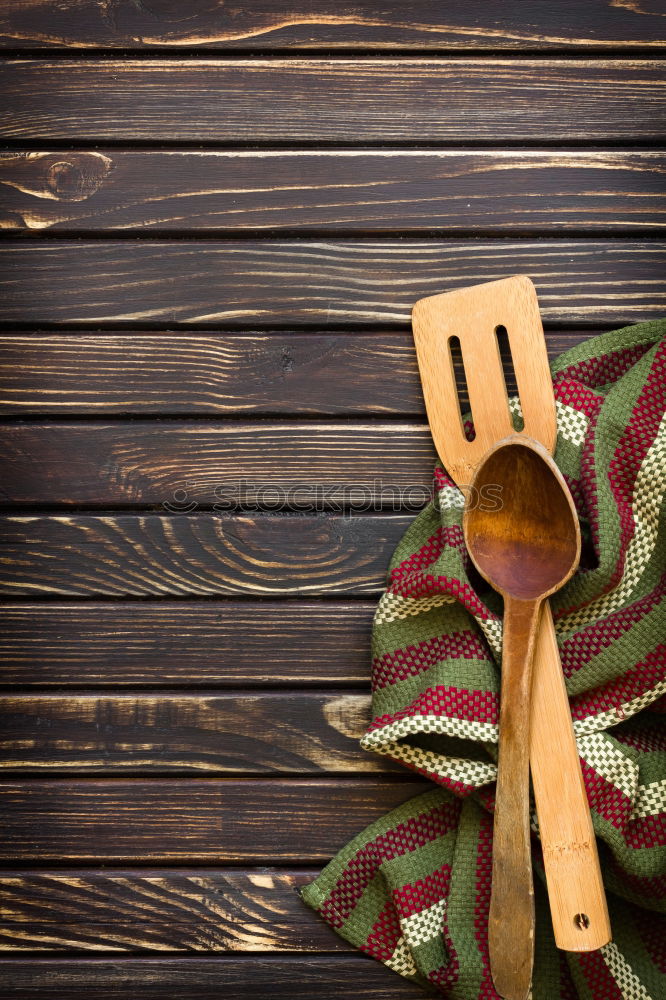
pixel 473 315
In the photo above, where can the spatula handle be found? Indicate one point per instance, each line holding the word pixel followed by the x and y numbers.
pixel 577 899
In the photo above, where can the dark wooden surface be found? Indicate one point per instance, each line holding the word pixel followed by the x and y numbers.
pixel 296 283
pixel 152 463
pixel 190 819
pixel 188 910
pixel 225 643
pixel 512 191
pixel 216 221
pixel 275 24
pixel 153 554
pixel 307 101
pixel 199 978
pixel 242 734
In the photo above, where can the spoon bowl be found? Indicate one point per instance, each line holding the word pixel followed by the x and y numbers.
pixel 527 543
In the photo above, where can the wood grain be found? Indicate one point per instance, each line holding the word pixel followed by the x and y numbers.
pixel 360 282
pixel 177 910
pixel 298 101
pixel 183 467
pixel 310 373
pixel 144 820
pixel 336 191
pixel 194 978
pixel 151 554
pixel 224 643
pixel 244 734
pixel 271 25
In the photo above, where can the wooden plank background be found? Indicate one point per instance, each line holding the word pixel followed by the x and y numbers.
pixel 215 226
pixel 307 101
pixel 334 191
pixel 285 24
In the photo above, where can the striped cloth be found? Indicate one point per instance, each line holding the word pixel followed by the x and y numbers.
pixel 413 889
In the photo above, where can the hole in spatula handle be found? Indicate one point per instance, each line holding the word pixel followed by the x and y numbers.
pixel 582 921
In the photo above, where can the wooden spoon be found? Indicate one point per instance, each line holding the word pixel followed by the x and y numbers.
pixel 526 544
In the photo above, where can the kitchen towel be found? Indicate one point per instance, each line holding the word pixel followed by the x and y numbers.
pixel 413 889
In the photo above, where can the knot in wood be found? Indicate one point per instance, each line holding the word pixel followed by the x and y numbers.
pixel 77 177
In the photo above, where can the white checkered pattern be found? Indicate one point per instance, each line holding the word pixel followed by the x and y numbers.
pixel 395 607
pixel 611 717
pixel 466 729
pixel 401 960
pixel 571 424
pixel 472 773
pixel 424 926
pixel 515 409
pixel 628 982
pixel 610 762
pixel 493 629
pixel 651 800
pixel 451 498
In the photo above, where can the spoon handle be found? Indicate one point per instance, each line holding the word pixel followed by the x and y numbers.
pixel 511 916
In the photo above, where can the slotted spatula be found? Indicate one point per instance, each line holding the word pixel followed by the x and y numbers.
pixel 473 315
